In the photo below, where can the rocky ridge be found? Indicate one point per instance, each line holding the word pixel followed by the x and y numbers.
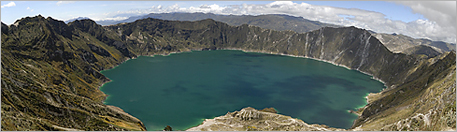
pixel 59 67
pixel 269 21
pixel 396 43
pixel 250 119
pixel 400 43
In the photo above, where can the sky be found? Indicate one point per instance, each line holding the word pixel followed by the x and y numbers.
pixel 435 20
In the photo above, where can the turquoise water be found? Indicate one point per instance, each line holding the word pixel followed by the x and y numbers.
pixel 181 90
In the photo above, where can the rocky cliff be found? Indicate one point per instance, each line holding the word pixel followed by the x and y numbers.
pixel 50 70
pixel 349 46
pixel 250 119
pixel 396 43
pixel 268 21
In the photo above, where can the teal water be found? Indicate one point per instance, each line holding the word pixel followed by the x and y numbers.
pixel 181 90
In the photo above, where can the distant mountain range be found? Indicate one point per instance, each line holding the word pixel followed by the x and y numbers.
pixel 395 43
pixel 274 21
pixel 74 19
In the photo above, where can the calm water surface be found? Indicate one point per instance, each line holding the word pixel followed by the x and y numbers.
pixel 181 90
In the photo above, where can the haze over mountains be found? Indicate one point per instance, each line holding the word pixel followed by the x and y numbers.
pixel 74 19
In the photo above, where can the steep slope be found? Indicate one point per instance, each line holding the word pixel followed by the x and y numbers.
pixel 65 77
pixel 399 43
pixel 50 79
pixel 395 43
pixel 424 101
pixel 421 50
pixel 348 46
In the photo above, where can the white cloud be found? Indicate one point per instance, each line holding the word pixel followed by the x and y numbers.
pixel 443 12
pixel 28 8
pixel 441 17
pixel 64 2
pixel 11 4
pixel 113 18
pixel 439 26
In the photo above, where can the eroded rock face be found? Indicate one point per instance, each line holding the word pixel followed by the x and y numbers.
pixel 250 119
pixel 247 114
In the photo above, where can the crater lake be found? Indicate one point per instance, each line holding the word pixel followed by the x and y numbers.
pixel 183 89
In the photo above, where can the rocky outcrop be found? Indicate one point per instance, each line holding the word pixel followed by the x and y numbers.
pixel 168 128
pixel 250 119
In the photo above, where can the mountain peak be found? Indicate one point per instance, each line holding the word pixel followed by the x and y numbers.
pixel 83 21
pixel 57 26
pixel 78 18
pixel 85 25
pixel 51 19
pixel 29 19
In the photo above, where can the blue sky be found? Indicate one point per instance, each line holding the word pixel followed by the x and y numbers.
pixel 65 11
pixel 390 9
pixel 433 20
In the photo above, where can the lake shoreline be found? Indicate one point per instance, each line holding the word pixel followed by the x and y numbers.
pixel 256 51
